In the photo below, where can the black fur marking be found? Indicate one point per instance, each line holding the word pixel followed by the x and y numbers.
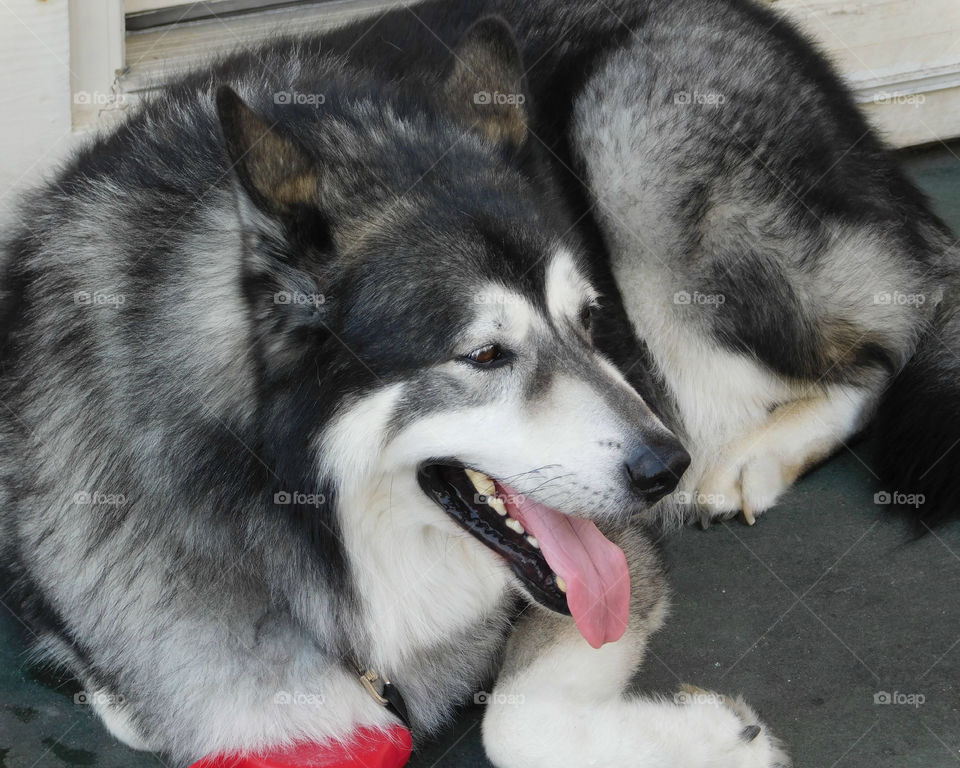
pixel 918 430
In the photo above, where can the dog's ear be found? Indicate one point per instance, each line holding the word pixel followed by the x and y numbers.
pixel 485 83
pixel 278 177
pixel 277 174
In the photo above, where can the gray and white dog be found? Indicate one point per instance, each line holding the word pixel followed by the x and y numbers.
pixel 345 351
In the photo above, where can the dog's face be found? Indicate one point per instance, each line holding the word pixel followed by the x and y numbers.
pixel 493 396
pixel 516 427
pixel 518 392
pixel 465 317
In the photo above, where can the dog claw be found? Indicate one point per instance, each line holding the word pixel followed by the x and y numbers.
pixel 749 733
pixel 748 517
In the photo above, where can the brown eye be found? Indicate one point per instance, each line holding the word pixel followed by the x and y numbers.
pixel 486 356
pixel 586 316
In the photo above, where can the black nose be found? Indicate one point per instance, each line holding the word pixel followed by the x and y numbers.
pixel 656 466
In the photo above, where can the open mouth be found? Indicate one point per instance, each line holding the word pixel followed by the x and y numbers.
pixel 565 563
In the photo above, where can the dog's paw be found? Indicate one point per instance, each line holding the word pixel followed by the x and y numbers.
pixel 748 479
pixel 732 730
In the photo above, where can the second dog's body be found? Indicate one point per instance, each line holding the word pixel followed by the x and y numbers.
pixel 775 262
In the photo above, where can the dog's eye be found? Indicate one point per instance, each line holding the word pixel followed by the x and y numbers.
pixel 488 356
pixel 586 317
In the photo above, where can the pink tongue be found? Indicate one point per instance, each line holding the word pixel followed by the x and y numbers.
pixel 594 568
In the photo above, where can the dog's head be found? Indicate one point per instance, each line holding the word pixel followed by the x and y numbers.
pixel 406 257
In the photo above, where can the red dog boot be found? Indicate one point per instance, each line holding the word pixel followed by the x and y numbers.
pixel 367 748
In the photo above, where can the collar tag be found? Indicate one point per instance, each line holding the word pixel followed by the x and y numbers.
pixel 385 693
pixel 375 684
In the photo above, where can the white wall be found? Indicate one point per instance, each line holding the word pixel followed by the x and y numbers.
pixel 34 91
pixel 901 57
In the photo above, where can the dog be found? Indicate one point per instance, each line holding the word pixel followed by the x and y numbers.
pixel 372 355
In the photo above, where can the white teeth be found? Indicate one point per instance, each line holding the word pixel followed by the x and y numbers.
pixel 481 482
pixel 497 504
pixel 561 584
pixel 488 489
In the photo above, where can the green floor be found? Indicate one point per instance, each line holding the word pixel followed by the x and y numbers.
pixel 811 614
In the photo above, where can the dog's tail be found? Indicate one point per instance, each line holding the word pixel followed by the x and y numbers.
pixel 918 426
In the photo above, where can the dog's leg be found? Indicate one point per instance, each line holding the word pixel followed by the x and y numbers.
pixel 753 471
pixel 558 702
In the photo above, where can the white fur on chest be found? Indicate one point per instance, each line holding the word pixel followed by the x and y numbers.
pixel 419 584
pixel 419 576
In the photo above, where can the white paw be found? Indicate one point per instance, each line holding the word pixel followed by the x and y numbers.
pixel 731 731
pixel 744 480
